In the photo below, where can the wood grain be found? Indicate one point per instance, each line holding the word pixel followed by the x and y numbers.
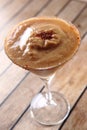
pixel 6 13
pixel 19 100
pixel 4 3
pixel 74 81
pixel 82 24
pixel 8 81
pixel 52 9
pixel 78 118
pixel 70 12
pixel 4 62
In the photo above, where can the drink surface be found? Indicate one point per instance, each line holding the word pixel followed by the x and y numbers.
pixel 42 43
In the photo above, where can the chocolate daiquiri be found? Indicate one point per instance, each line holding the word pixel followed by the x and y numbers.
pixel 42 43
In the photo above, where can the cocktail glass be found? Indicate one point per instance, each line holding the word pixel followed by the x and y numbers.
pixel 49 107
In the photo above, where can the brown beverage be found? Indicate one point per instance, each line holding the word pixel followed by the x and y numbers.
pixel 41 45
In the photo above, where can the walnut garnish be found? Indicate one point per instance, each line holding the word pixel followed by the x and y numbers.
pixel 44 39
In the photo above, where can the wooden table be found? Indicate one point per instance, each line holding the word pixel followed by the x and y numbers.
pixel 17 86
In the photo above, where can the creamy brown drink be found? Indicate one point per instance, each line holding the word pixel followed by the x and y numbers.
pixel 40 44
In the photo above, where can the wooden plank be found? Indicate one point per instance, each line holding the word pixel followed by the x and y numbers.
pixel 70 81
pixel 78 118
pixel 4 62
pixel 54 7
pixel 10 10
pixel 4 3
pixel 9 80
pixel 81 22
pixel 71 11
pixel 19 100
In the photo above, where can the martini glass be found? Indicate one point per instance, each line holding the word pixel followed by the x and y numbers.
pixel 49 107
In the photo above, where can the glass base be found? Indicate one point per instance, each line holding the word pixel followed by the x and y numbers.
pixel 49 109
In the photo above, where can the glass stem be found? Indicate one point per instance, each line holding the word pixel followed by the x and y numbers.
pixel 49 95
